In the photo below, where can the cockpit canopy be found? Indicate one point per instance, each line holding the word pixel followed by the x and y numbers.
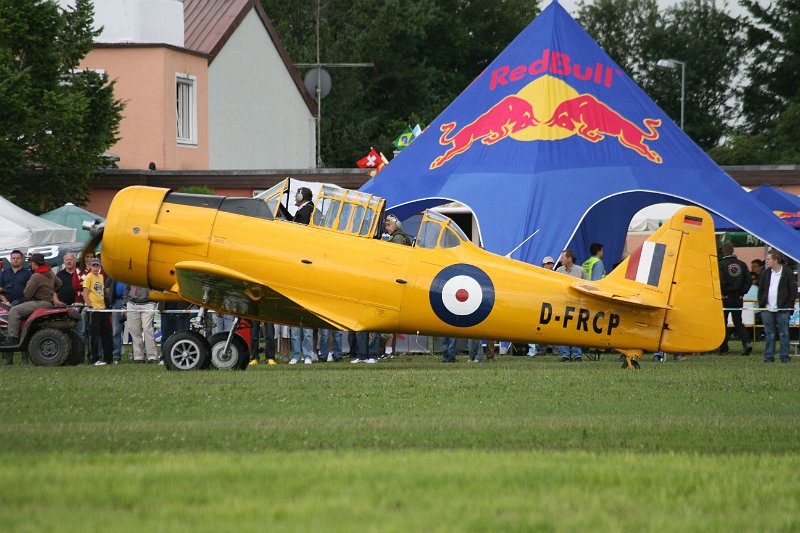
pixel 438 231
pixel 341 210
pixel 358 213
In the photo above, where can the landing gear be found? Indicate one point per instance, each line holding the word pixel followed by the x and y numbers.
pixel 186 350
pixel 630 362
pixel 631 358
pixel 236 357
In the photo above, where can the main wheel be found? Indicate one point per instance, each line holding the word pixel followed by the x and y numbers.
pixel 186 350
pixel 237 356
pixel 634 364
pixel 50 347
pixel 78 348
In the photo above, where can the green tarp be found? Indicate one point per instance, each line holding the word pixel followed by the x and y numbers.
pixel 72 216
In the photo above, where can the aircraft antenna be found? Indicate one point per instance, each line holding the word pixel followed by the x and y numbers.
pixel 523 242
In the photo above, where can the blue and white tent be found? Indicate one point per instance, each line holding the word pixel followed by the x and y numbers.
pixel 786 206
pixel 554 140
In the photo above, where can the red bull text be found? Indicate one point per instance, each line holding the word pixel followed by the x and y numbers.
pixel 553 63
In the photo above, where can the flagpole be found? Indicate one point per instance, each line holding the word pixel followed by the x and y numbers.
pixel 319 99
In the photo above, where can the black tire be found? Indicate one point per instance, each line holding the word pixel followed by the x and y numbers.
pixel 50 347
pixel 237 356
pixel 186 350
pixel 634 364
pixel 78 349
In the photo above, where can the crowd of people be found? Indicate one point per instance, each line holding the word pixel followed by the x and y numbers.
pixel 110 305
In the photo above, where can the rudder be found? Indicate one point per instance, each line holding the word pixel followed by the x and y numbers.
pixel 676 269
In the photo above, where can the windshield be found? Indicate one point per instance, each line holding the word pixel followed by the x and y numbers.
pixel 438 230
pixel 273 197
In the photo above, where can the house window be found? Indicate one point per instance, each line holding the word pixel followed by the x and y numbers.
pixel 186 108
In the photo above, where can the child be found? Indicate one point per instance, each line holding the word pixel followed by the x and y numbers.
pixel 99 323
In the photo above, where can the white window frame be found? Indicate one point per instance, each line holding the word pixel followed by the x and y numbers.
pixel 186 109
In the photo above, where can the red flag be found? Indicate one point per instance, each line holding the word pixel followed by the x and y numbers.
pixel 371 160
pixel 382 163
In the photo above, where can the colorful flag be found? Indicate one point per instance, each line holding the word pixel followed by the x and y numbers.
pixel 404 139
pixel 382 163
pixel 644 264
pixel 416 131
pixel 371 160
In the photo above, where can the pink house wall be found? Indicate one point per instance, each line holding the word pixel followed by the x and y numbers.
pixel 145 81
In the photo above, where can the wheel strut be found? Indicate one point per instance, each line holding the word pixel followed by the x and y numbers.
pixel 231 333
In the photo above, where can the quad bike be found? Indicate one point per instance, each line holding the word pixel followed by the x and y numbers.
pixel 47 335
pixel 189 349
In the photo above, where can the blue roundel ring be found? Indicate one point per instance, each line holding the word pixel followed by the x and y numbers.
pixel 462 295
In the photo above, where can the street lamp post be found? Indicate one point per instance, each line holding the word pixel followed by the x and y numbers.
pixel 672 64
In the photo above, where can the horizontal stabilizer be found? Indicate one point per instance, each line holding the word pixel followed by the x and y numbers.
pixel 597 292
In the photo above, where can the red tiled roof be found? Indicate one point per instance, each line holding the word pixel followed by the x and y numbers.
pixel 208 24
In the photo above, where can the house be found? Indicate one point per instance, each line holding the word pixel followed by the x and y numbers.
pixel 259 112
pixel 207 85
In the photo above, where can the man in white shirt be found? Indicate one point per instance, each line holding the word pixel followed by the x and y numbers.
pixel 777 291
pixel 569 268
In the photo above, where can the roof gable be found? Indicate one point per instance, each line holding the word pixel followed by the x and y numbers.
pixel 208 24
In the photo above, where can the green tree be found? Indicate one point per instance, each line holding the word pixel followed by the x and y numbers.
pixel 627 30
pixel 636 34
pixel 775 144
pixel 55 121
pixel 774 38
pixel 771 98
pixel 424 52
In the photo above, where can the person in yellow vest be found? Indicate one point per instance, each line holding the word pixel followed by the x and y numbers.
pixel 594 265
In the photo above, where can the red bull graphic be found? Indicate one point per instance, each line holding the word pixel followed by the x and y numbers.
pixel 593 120
pixel 793 219
pixel 569 114
pixel 507 116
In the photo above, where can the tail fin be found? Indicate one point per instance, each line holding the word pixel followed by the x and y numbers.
pixel 676 269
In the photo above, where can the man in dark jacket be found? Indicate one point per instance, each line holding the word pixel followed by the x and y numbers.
pixel 305 207
pixel 303 338
pixel 39 292
pixel 734 278
pixel 777 291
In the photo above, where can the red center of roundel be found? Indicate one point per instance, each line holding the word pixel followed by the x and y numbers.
pixel 462 295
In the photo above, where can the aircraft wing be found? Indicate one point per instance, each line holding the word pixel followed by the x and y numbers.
pixel 227 290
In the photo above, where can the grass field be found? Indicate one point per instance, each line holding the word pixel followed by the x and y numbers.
pixel 520 444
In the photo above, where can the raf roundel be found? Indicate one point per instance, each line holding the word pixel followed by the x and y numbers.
pixel 462 295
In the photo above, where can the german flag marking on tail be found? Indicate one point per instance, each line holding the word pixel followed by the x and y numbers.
pixel 694 221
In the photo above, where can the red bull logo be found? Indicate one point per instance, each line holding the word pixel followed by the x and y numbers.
pixel 520 117
pixel 509 115
pixel 793 219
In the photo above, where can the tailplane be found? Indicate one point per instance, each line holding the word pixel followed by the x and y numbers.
pixel 676 269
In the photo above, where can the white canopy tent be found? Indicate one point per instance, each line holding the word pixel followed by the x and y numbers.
pixel 652 217
pixel 21 229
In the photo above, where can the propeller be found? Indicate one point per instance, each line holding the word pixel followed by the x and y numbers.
pixel 95 228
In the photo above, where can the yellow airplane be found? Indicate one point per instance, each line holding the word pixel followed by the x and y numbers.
pixel 241 256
